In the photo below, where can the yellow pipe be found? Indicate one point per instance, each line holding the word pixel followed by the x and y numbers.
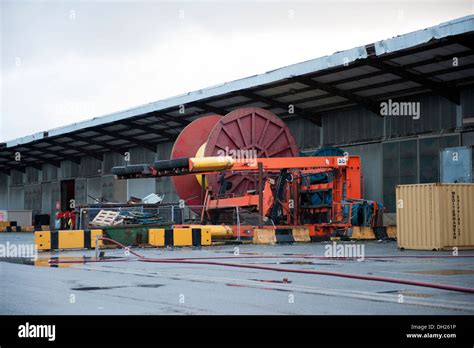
pixel 210 164
pixel 199 154
pixel 220 231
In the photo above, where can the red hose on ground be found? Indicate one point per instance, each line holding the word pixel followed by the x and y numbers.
pixel 290 270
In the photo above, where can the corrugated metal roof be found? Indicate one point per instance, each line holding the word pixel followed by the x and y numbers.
pixel 413 63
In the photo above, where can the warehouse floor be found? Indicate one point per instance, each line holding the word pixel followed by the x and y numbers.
pixel 132 287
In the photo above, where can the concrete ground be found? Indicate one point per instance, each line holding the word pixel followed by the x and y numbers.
pixel 133 287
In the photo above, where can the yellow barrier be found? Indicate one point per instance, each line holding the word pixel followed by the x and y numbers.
pixel 392 231
pixel 301 234
pixel 362 232
pixel 264 236
pixel 67 239
pixel 179 237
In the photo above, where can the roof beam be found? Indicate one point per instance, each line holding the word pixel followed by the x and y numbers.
pixel 361 62
pixel 163 116
pixel 130 138
pixel 37 166
pixel 449 70
pixel 367 103
pixel 66 145
pixel 466 41
pixel 209 108
pixel 313 117
pixel 452 94
pixel 94 142
pixel 40 157
pixel 366 76
pixel 149 129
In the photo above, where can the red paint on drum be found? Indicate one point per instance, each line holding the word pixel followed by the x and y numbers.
pixel 255 130
pixel 186 145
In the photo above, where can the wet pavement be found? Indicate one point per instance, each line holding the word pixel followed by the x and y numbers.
pixel 129 286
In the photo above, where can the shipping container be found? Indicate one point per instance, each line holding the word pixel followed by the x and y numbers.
pixel 435 216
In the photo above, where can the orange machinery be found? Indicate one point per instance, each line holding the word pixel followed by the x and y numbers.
pixel 284 194
pixel 284 191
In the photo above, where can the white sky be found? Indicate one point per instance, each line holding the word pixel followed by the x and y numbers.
pixel 67 61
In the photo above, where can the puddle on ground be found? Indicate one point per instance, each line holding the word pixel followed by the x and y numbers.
pixel 283 281
pixel 444 272
pixel 92 288
pixel 44 261
pixel 406 293
pixel 305 263
pixel 296 263
pixel 255 287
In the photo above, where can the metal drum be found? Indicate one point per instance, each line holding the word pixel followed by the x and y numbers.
pixel 193 136
pixel 248 133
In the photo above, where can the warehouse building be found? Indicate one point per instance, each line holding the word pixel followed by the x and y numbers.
pixel 395 102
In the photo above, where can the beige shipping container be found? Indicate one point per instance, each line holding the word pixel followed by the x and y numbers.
pixel 435 216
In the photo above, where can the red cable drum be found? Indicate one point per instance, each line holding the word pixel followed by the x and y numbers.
pixel 186 145
pixel 254 130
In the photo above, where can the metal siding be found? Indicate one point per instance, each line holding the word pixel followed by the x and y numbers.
pixel 139 155
pixel 429 158
pixel 55 197
pixel 120 190
pixel 165 187
pixel 17 198
pixel 16 177
pixel 354 125
pixel 112 189
pixel 46 198
pixel 50 172
pixel 141 188
pixel 408 162
pixel 467 102
pixel 4 192
pixel 33 198
pixel 93 189
pixel 112 159
pixel 371 165
pixel 411 161
pixel 32 175
pixel 107 188
pixel 436 113
pixel 468 139
pixel 391 174
pixel 80 191
pixel 68 169
pixel 163 151
pixel 305 132
pixel 90 166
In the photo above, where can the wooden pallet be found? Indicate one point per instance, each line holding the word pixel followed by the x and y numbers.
pixel 105 218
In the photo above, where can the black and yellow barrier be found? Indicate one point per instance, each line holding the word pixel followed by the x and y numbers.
pixel 179 237
pixel 67 239
pixel 281 235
